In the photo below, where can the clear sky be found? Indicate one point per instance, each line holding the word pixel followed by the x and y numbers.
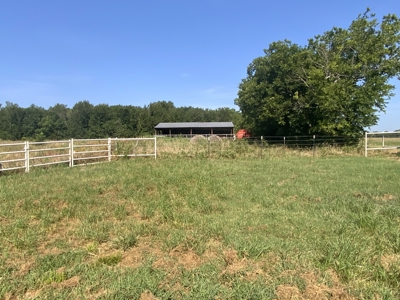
pixel 190 52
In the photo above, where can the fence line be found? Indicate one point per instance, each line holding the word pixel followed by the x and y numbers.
pixel 26 155
pixel 392 141
pixel 73 152
pixel 258 147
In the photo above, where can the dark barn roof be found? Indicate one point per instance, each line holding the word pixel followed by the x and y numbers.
pixel 195 125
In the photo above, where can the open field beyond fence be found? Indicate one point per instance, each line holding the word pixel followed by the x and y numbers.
pixel 26 155
pixel 309 228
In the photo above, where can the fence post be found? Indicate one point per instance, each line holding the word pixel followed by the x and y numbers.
pixel 366 144
pixel 27 156
pixel 383 141
pixel 71 152
pixel 262 145
pixel 155 147
pixel 313 145
pixel 284 140
pixel 208 147
pixel 109 149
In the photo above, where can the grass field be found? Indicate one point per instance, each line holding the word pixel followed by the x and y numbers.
pixel 282 228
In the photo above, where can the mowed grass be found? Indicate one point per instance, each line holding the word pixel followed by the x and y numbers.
pixel 293 228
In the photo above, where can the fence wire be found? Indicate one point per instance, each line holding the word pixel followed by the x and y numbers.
pixel 260 147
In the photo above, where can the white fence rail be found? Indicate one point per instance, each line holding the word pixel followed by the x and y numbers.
pixel 14 156
pixel 381 141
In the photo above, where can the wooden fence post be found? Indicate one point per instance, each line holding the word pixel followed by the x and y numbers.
pixel 155 147
pixel 208 148
pixel 313 145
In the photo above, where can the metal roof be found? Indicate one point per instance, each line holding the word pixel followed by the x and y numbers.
pixel 195 125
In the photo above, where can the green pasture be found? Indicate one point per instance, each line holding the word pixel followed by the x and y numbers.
pixel 272 228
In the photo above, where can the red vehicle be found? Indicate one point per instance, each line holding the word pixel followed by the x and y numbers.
pixel 243 133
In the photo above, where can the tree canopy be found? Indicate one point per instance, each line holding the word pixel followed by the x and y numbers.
pixel 335 85
pixel 85 120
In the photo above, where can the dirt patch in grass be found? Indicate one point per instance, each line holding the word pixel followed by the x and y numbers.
pixel 185 257
pixel 21 264
pixel 386 197
pixel 32 294
pixel 60 205
pixel 60 231
pixel 315 288
pixel 4 221
pixel 135 256
pixel 68 283
pixel 180 256
pixel 233 263
pixel 147 296
pixel 288 292
pixel 230 256
pixel 390 261
pixel 248 269
pixel 24 268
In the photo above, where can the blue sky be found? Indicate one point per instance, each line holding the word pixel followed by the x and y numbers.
pixel 190 52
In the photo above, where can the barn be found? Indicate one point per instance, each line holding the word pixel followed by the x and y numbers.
pixel 189 129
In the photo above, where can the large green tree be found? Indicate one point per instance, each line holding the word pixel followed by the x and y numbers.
pixel 335 85
pixel 78 120
pixel 11 121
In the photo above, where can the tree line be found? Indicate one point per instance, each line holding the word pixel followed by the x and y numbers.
pixel 85 120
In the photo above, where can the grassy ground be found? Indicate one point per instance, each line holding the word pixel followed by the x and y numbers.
pixel 292 228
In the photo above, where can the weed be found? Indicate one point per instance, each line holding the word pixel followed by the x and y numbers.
pixel 126 241
pixel 110 260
